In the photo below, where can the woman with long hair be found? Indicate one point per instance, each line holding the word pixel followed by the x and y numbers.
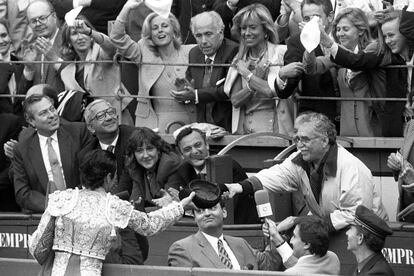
pixel 149 162
pixel 81 42
pixel 250 81
pixel 160 43
pixel 351 30
pixel 83 222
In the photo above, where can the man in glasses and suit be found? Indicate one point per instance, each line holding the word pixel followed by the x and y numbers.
pixel 332 180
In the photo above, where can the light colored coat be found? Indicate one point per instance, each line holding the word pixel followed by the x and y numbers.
pixel 148 74
pixel 285 120
pixel 342 191
pixel 99 78
pixel 196 251
pixel 312 264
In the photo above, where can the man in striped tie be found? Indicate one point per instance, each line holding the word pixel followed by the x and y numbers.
pixel 210 248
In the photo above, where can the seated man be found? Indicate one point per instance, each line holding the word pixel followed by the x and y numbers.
pixel 310 243
pixel 366 238
pixel 194 149
pixel 332 180
pixel 46 159
pixel 210 248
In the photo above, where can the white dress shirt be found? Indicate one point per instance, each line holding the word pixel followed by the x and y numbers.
pixel 213 241
pixel 105 146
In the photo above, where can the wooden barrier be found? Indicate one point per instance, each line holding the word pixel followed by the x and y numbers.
pixel 31 267
pixel 399 248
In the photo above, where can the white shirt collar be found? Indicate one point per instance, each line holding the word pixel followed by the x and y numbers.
pixel 212 58
pixel 213 240
pixel 43 139
pixel 104 146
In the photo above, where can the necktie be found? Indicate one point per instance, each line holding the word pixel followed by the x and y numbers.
pixel 110 148
pixel 224 257
pixel 206 83
pixel 55 166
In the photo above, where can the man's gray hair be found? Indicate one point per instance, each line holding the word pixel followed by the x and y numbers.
pixel 89 114
pixel 321 124
pixel 218 21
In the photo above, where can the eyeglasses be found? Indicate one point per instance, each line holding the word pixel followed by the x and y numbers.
pixel 40 19
pixel 304 139
pixel 100 116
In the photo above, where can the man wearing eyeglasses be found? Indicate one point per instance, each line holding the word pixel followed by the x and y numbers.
pixel 44 46
pixel 102 121
pixel 332 180
pixel 46 159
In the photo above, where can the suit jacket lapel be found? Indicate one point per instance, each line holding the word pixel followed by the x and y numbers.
pixel 208 251
pixel 37 161
pixel 65 149
pixel 238 253
pixel 199 71
pixel 217 71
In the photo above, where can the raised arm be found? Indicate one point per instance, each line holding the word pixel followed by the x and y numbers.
pixel 127 47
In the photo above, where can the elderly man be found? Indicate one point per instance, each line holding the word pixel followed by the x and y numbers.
pixel 366 238
pixel 211 101
pixel 209 248
pixel 45 44
pixel 332 180
pixel 46 159
pixel 194 149
pixel 103 122
pixel 310 243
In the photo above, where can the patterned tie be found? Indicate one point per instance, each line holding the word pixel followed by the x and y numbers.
pixel 224 257
pixel 55 166
pixel 110 148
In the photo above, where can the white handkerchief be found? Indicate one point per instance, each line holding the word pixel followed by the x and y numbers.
pixel 311 35
pixel 71 15
pixel 161 7
pixel 22 4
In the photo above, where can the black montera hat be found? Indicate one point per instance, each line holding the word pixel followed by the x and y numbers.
pixel 207 194
pixel 367 219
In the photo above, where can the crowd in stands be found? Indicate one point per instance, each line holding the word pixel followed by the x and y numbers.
pixel 123 72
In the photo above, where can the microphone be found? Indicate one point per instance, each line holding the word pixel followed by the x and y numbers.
pixel 264 209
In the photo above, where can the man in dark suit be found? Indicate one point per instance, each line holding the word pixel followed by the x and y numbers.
pixel 102 121
pixel 9 129
pixel 366 238
pixel 193 147
pixel 211 101
pixel 318 85
pixel 44 46
pixel 46 156
pixel 209 248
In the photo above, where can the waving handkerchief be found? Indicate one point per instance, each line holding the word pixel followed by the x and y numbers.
pixel 311 35
pixel 161 7
pixel 71 15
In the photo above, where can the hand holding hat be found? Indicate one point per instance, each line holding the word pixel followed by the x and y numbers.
pixel 207 194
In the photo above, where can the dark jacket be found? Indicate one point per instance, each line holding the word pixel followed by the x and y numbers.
pixel 377 266
pixel 30 176
pixel 318 85
pixel 214 94
pixel 244 205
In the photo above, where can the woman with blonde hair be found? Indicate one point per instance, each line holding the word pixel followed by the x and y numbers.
pixel 250 81
pixel 160 43
pixel 351 30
